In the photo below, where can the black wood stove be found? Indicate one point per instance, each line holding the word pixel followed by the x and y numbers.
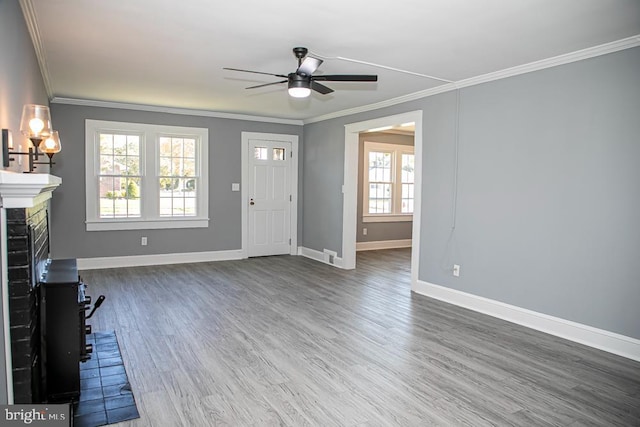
pixel 63 327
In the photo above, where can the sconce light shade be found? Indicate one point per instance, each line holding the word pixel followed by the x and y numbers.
pixel 51 145
pixel 36 121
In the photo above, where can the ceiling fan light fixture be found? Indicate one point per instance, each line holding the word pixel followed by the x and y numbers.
pixel 299 92
pixel 299 86
pixel 302 81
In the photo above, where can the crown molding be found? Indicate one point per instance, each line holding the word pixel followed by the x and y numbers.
pixel 603 49
pixel 592 52
pixel 173 110
pixel 32 25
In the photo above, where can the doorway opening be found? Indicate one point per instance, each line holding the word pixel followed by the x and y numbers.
pixel 386 170
pixel 351 179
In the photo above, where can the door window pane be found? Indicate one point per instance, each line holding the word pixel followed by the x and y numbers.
pixel 279 154
pixel 260 153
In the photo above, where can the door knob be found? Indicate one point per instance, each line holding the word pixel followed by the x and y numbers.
pixel 251 202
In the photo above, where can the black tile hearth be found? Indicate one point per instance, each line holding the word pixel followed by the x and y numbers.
pixel 105 393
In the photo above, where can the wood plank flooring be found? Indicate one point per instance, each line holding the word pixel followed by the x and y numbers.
pixel 287 341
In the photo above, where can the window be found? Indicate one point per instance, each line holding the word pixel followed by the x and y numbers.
pixel 388 182
pixel 178 193
pixel 145 176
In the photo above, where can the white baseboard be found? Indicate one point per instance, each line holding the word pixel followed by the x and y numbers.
pixel 157 259
pixel 383 244
pixel 598 338
pixel 319 256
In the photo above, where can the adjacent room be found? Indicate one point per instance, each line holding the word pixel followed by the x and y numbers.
pixel 339 214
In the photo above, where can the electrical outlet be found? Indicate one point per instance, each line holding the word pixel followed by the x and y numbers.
pixel 364 231
pixel 456 270
pixel 143 241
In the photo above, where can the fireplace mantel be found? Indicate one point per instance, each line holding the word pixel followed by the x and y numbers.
pixel 25 190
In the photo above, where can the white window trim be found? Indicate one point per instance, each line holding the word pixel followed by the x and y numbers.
pixel 396 201
pixel 150 218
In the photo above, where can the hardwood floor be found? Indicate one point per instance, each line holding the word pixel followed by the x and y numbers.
pixel 290 341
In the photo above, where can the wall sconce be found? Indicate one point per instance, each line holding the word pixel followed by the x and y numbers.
pixel 35 125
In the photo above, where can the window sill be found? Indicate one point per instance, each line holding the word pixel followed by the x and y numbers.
pixel 388 218
pixel 155 224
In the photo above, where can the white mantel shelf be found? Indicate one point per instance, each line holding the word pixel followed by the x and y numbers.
pixel 25 190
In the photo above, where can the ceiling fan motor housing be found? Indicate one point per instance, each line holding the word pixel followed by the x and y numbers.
pixel 299 80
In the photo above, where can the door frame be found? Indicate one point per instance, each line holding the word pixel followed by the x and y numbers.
pixel 350 186
pixel 244 194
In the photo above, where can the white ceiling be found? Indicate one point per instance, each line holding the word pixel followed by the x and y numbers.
pixel 170 53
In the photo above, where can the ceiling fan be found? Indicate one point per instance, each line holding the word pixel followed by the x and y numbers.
pixel 302 81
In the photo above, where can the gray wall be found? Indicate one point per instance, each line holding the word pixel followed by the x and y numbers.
pixel 379 231
pixel 548 196
pixel 20 83
pixel 69 235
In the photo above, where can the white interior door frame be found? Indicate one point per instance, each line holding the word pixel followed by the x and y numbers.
pixel 293 140
pixel 350 186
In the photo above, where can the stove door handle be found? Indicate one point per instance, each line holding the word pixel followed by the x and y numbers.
pixel 98 303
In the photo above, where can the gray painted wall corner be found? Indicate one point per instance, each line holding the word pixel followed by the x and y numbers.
pixel 20 83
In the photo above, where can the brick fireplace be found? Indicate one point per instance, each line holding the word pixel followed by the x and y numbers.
pixel 25 249
pixel 27 253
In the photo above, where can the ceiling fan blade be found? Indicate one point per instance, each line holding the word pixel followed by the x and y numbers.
pixel 347 78
pixel 255 72
pixel 309 65
pixel 266 84
pixel 320 88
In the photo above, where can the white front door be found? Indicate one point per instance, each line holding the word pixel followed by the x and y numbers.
pixel 269 197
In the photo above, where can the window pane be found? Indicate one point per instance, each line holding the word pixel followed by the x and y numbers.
pixel 279 154
pixel 120 144
pixel 165 166
pixel 407 168
pixel 379 167
pixel 119 197
pixel 178 197
pixel 407 198
pixel 380 179
pixel 119 165
pixel 178 177
pixel 189 206
pixel 189 145
pixel 379 198
pixel 260 153
pixel 165 207
pixel 133 145
pixel 189 167
pixel 119 180
pixel 165 146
